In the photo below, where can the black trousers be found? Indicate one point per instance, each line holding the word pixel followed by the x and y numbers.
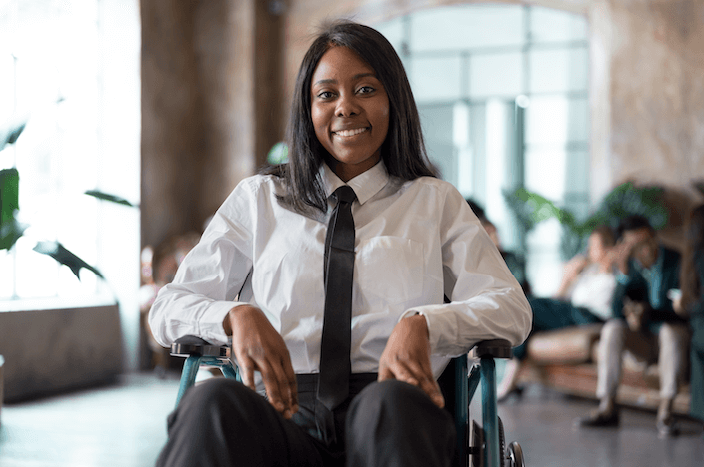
pixel 221 422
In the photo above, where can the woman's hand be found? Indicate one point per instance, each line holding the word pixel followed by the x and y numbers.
pixel 406 357
pixel 572 270
pixel 620 254
pixel 259 347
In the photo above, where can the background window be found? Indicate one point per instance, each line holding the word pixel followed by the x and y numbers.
pixel 71 69
pixel 468 66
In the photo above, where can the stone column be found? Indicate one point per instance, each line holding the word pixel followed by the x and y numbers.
pixel 205 125
pixel 211 107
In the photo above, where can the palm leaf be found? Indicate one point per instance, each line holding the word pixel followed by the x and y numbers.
pixel 10 229
pixel 10 232
pixel 108 197
pixel 532 209
pixel 624 200
pixel 63 256
pixel 9 194
pixel 10 133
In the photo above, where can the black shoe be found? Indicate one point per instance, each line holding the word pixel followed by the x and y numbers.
pixel 598 420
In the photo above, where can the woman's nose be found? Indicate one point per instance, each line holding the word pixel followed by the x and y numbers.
pixel 347 106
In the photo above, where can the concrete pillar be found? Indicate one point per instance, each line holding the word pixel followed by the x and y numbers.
pixel 205 125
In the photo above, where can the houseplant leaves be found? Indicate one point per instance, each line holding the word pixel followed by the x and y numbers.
pixel 626 199
pixel 10 132
pixel 63 256
pixel 10 228
pixel 108 197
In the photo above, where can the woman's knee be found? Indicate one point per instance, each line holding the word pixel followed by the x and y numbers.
pixel 393 400
pixel 388 393
pixel 219 395
pixel 397 422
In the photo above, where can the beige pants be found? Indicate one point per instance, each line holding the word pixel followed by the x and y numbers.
pixel 668 349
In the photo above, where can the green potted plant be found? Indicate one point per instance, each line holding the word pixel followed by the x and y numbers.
pixel 626 199
pixel 11 229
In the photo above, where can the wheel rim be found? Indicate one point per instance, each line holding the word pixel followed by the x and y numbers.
pixel 515 455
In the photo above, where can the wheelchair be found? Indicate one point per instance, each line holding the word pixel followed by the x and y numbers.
pixel 477 445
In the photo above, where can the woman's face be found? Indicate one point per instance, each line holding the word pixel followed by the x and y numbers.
pixel 350 111
pixel 596 248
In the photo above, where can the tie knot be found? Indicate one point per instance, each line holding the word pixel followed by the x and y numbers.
pixel 345 194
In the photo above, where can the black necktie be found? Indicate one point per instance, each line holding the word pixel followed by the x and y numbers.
pixel 335 365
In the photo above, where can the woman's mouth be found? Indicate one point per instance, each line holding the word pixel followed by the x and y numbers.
pixel 348 133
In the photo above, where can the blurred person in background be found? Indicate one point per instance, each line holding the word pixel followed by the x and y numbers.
pixel 644 323
pixel 583 297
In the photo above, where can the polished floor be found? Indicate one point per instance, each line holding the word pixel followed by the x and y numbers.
pixel 124 426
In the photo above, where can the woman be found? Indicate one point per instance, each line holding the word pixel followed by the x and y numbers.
pixel 354 124
pixel 691 304
pixel 583 297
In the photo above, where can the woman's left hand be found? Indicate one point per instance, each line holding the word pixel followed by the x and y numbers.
pixel 407 357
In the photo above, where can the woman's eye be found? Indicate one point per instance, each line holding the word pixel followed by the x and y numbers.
pixel 324 95
pixel 366 90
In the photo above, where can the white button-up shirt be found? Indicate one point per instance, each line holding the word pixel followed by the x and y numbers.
pixel 415 242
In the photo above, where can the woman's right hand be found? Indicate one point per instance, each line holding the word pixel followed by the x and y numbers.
pixel 620 254
pixel 572 269
pixel 575 266
pixel 257 346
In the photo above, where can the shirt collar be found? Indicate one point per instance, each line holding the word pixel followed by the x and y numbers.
pixel 365 185
pixel 655 268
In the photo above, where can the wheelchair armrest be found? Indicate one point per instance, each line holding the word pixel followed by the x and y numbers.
pixel 496 348
pixel 192 345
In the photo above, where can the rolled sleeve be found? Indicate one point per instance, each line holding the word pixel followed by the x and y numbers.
pixel 209 279
pixel 487 302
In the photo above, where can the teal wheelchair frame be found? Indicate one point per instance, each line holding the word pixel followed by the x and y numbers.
pixel 477 445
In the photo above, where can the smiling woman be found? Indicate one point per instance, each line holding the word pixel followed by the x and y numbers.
pixel 350 112
pixel 403 150
pixel 358 203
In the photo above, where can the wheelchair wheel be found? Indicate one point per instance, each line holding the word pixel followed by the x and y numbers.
pixel 476 440
pixel 502 439
pixel 514 455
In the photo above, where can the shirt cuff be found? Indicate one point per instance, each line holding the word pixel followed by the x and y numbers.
pixel 409 313
pixel 210 325
pixel 433 334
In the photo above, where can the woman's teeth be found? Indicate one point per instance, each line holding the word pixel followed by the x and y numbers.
pixel 350 132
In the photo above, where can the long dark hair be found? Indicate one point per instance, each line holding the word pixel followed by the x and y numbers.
pixel 403 151
pixel 693 257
